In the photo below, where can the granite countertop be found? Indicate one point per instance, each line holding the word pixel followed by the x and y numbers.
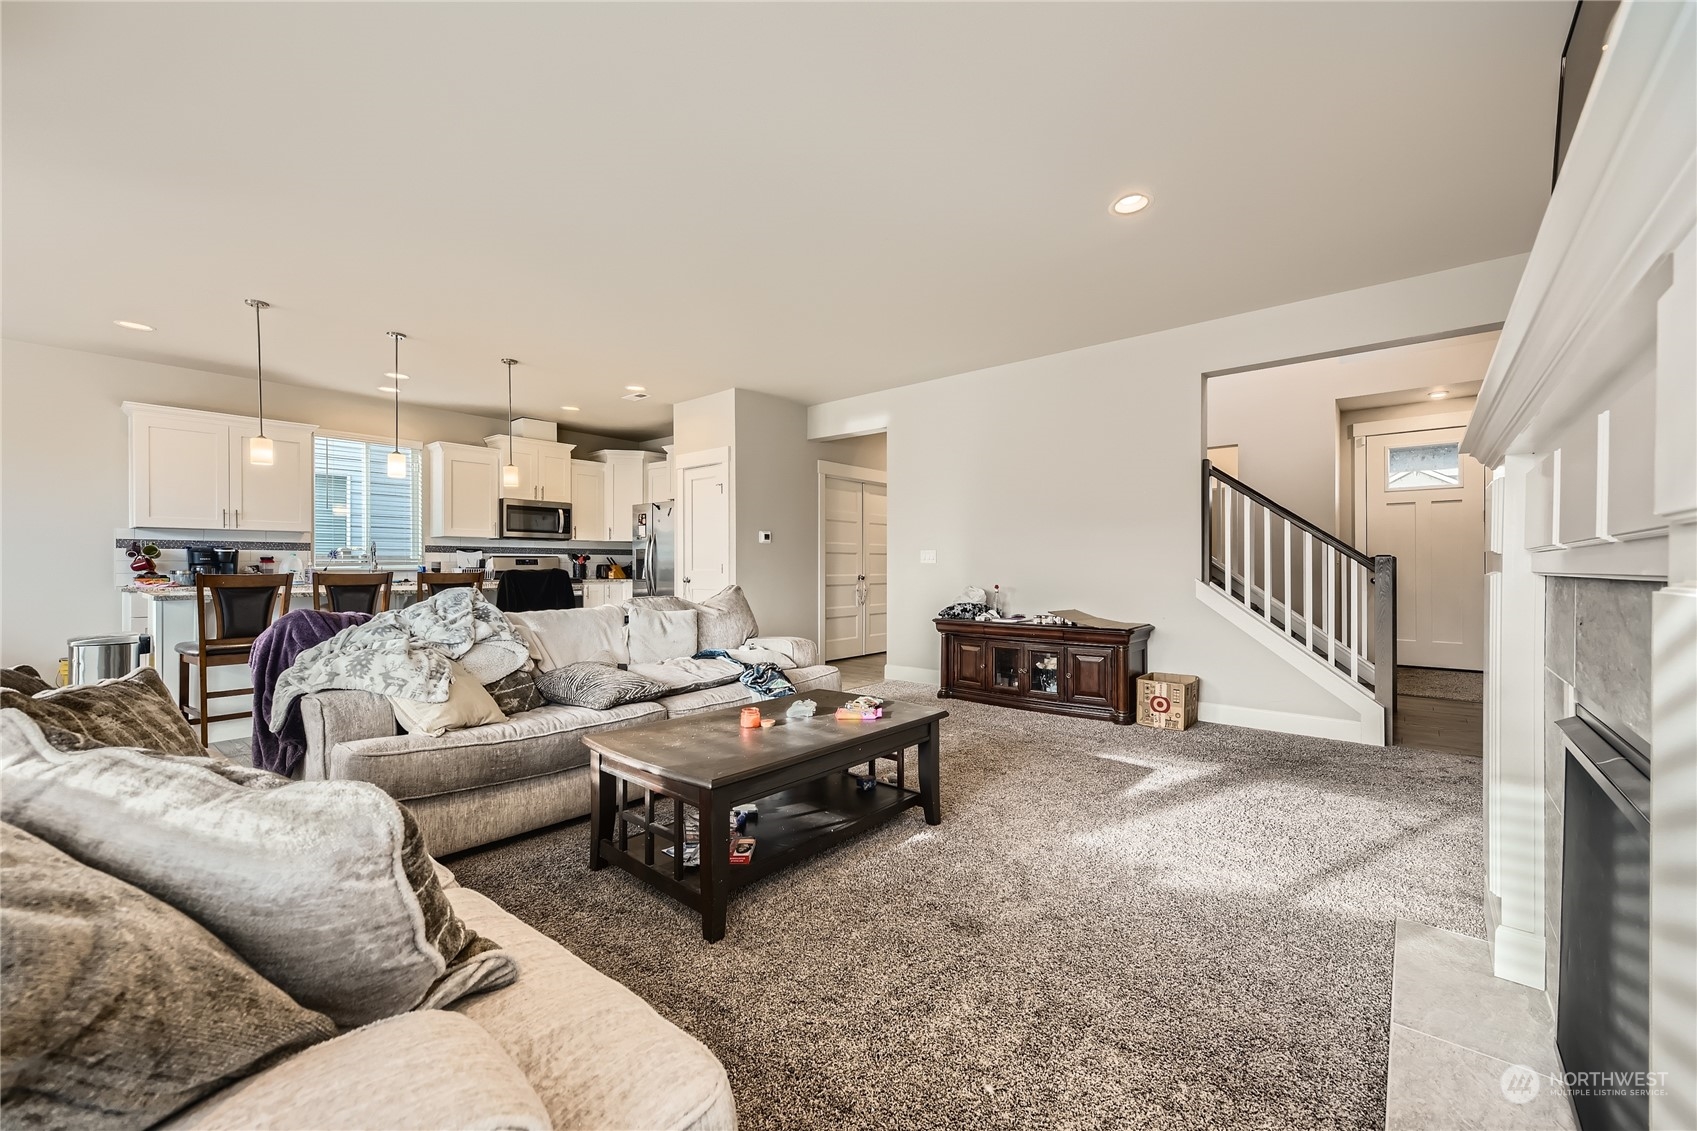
pixel 186 592
pixel 182 592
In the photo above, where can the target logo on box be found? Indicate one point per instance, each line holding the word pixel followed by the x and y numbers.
pixel 1167 701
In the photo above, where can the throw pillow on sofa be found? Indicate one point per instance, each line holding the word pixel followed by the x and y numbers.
pixel 598 686
pixel 516 693
pixel 325 887
pixel 724 620
pixel 467 705
pixel 119 1008
pixel 558 637
pixel 25 679
pixel 132 710
pixel 661 634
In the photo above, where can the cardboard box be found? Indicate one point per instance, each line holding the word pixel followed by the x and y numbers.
pixel 1167 701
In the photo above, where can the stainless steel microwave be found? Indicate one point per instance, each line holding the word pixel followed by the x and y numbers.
pixel 532 518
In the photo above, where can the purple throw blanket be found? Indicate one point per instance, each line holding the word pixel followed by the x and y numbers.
pixel 274 653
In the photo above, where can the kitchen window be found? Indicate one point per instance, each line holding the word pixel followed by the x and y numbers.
pixel 355 504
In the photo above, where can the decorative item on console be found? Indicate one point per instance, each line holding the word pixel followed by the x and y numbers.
pixel 975 604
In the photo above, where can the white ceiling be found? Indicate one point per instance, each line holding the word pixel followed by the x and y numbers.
pixel 812 200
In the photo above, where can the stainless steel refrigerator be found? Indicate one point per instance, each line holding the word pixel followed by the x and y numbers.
pixel 652 547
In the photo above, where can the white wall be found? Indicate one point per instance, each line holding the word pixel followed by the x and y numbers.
pixel 1073 479
pixel 1284 421
pixel 774 487
pixel 858 451
pixel 64 474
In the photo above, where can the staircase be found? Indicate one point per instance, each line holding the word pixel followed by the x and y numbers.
pixel 1323 606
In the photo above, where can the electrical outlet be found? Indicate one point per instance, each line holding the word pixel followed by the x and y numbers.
pixel 765 535
pixel 928 557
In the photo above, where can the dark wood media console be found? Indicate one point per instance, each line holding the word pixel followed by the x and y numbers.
pixel 1066 671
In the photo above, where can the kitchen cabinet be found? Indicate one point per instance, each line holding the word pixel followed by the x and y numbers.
pixel 625 487
pixel 659 487
pixel 544 467
pixel 464 490
pixel 1062 670
pixel 609 592
pixel 589 505
pixel 189 471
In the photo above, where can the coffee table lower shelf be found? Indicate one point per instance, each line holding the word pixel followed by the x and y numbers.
pixel 793 824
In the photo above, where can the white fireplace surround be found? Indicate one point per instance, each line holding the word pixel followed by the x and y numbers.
pixel 1588 418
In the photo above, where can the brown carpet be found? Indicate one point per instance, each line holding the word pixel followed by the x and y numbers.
pixel 1441 683
pixel 1112 927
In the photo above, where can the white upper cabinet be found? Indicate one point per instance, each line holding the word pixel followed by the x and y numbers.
pixel 589 505
pixel 659 482
pixel 277 496
pixel 189 471
pixel 544 468
pixel 465 490
pixel 626 487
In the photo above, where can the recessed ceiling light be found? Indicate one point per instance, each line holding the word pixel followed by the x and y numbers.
pixel 1133 202
pixel 1438 394
pixel 133 325
pixel 397 376
pixel 636 388
pixel 568 408
pixel 387 389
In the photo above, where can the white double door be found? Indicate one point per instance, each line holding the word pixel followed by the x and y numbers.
pixel 854 527
pixel 1425 503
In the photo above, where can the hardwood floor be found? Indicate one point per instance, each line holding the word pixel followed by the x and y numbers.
pixel 1449 725
pixel 858 671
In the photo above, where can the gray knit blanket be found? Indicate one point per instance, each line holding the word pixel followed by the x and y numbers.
pixel 404 653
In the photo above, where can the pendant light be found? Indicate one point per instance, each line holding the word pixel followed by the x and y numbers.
pixel 397 458
pixel 259 451
pixel 510 473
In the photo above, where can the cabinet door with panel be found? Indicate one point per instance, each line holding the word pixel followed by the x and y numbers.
pixel 589 505
pixel 1090 676
pixel 464 491
pixel 971 664
pixel 524 457
pixel 276 496
pixel 659 482
pixel 179 470
pixel 554 473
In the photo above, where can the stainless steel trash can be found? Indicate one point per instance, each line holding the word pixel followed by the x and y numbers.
pixel 106 657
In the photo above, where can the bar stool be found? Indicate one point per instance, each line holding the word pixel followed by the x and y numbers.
pixel 243 606
pixel 430 584
pixel 352 592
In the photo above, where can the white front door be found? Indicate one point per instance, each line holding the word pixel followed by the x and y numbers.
pixel 704 532
pixel 1426 505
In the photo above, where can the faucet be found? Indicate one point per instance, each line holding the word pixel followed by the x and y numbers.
pixel 371 555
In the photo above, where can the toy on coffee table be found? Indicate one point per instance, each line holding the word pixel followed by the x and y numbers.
pixel 864 709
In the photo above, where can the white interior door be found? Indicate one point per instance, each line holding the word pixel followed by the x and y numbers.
pixel 841 510
pixel 1426 505
pixel 876 588
pixel 704 532
pixel 854 537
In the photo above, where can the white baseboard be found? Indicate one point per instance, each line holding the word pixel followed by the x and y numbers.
pixel 932 676
pixel 1286 722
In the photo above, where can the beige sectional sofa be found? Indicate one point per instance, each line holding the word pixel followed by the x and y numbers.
pixel 481 784
pixel 563 1047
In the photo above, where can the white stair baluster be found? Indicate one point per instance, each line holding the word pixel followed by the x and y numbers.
pixel 1248 553
pixel 1225 513
pixel 1308 587
pixel 1354 619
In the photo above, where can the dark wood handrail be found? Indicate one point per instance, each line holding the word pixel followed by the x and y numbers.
pixel 1209 471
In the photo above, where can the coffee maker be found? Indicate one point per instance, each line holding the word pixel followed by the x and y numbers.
pixel 210 559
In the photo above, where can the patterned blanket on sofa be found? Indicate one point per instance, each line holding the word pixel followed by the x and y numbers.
pixel 404 652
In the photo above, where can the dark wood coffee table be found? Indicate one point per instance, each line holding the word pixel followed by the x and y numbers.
pixel 796 771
